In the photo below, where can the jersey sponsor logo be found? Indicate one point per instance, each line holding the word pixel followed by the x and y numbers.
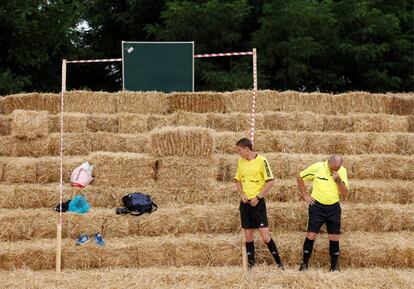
pixel 267 169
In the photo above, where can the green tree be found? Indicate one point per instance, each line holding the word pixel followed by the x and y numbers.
pixel 296 44
pixel 35 36
pixel 214 26
pixel 376 46
pixel 109 23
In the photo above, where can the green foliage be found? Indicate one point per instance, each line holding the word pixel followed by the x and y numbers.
pixel 34 36
pixel 326 45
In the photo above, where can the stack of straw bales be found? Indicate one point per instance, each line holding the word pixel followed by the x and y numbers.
pixel 197 219
pixel 394 250
pixel 359 102
pixel 320 142
pixel 211 277
pixel 184 156
pixel 123 169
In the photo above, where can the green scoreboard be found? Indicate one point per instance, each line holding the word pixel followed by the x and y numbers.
pixel 158 66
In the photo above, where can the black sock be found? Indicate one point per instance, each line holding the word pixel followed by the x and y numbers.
pixel 307 250
pixel 273 250
pixel 334 252
pixel 250 253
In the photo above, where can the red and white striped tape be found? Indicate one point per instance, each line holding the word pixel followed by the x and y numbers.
pixel 223 54
pixel 195 56
pixel 95 60
pixel 253 115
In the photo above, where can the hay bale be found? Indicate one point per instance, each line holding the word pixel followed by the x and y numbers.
pixel 91 102
pixel 157 121
pixel 48 168
pixel 5 125
pixel 401 104
pixel 110 197
pixel 102 123
pixel 29 124
pixel 200 102
pixel 288 165
pixel 136 143
pixel 359 249
pixel 233 121
pixel 19 170
pixel 32 101
pixel 29 196
pixel 372 166
pixel 30 148
pixel 12 147
pixel 225 142
pixel 107 142
pixel 72 123
pixel 183 118
pixel 298 121
pixel 405 144
pixel 73 144
pixel 319 142
pixel 380 123
pixel 123 169
pixel 182 141
pixel 210 277
pixel 343 123
pixel 381 191
pixel 241 101
pixel 142 102
pixel 133 123
pixel 185 172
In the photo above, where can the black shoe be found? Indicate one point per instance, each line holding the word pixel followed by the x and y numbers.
pixel 303 267
pixel 335 269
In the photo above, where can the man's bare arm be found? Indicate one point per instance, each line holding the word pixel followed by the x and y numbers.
pixel 302 188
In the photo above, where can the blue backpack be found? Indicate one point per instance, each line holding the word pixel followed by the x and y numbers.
pixel 137 204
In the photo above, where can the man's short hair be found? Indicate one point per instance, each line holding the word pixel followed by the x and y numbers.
pixel 245 143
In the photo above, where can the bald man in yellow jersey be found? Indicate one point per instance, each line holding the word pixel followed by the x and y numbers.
pixel 254 180
pixel 329 183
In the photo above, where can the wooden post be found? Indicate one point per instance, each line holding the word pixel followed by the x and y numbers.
pixel 59 224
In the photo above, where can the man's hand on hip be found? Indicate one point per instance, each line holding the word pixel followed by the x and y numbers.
pixel 308 199
pixel 254 202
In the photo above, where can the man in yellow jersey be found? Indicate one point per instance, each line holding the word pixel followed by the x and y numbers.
pixel 254 179
pixel 329 184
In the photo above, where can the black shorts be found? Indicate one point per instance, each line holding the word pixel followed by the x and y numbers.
pixel 320 214
pixel 254 217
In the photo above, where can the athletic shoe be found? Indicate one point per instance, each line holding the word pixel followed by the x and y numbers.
pixel 83 239
pixel 99 239
pixel 335 269
pixel 303 267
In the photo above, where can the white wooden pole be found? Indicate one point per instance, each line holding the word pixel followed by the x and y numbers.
pixel 59 224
